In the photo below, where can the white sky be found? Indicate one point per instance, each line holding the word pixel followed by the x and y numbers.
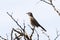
pixel 43 12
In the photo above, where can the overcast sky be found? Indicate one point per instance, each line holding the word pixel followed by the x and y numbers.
pixel 44 14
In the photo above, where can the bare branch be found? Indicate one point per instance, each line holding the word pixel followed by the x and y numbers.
pixel 37 35
pixel 52 6
pixel 16 37
pixel 2 38
pixel 46 35
pixel 12 34
pixel 7 36
pixel 21 34
pixel 32 33
pixel 46 2
pixel 15 21
pixel 57 35
pixel 24 30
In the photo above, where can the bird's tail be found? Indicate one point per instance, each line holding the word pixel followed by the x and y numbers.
pixel 43 28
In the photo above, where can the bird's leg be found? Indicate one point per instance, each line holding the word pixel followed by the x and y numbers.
pixel 33 28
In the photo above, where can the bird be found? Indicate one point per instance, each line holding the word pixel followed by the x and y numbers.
pixel 33 21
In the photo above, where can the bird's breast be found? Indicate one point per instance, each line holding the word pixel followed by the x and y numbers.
pixel 33 22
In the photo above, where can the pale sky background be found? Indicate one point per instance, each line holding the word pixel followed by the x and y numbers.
pixel 44 13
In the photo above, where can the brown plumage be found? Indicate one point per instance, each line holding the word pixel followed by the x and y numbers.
pixel 34 21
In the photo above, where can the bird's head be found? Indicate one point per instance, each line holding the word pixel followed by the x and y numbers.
pixel 30 14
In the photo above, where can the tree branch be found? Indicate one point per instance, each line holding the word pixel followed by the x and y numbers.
pixel 46 35
pixel 52 6
pixel 15 21
pixel 57 35
pixel 2 38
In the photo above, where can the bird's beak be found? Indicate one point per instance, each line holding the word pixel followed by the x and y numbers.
pixel 26 13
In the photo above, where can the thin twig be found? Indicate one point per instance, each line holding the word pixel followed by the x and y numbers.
pixel 37 35
pixel 52 6
pixel 22 34
pixel 7 36
pixel 16 37
pixel 2 38
pixel 12 34
pixel 46 35
pixel 57 35
pixel 32 33
pixel 15 21
pixel 24 30
pixel 35 31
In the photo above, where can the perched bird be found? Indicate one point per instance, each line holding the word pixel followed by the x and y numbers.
pixel 34 21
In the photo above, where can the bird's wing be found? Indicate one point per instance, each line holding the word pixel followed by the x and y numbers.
pixel 35 23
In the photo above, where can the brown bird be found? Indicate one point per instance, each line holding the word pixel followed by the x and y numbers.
pixel 34 21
